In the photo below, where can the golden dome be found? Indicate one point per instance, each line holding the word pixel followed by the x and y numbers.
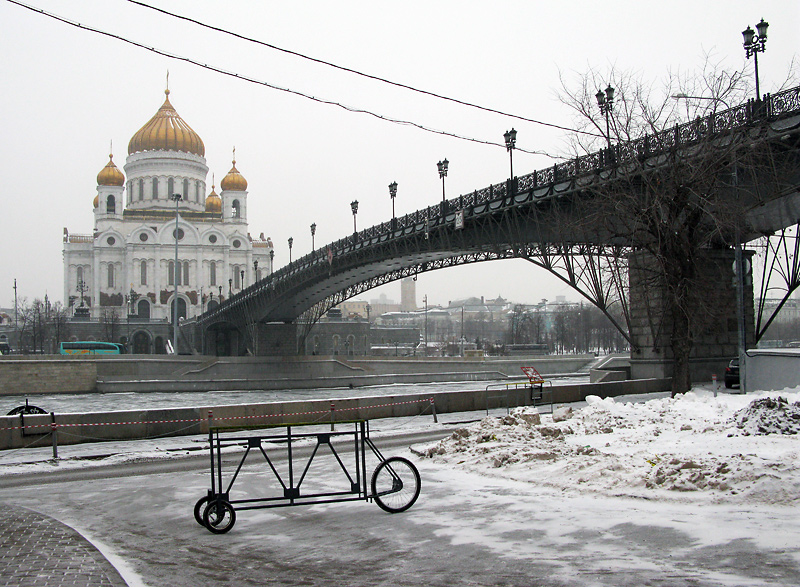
pixel 96 202
pixel 110 174
pixel 234 181
pixel 167 131
pixel 213 202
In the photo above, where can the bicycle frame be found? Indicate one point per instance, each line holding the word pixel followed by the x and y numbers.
pixel 290 483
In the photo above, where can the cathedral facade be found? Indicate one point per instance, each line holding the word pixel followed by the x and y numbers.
pixel 127 271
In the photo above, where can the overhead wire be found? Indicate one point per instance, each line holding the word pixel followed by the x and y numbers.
pixel 355 71
pixel 235 75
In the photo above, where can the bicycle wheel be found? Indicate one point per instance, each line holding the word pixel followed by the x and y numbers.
pixel 395 485
pixel 219 516
pixel 198 509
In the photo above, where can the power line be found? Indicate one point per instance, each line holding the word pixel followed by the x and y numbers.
pixel 355 71
pixel 267 84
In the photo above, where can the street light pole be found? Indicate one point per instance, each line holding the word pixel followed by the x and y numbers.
pixel 443 165
pixel 354 209
pixel 291 242
pixel 271 260
pixel 606 103
pixel 313 232
pixel 392 194
pixel 511 142
pixel 177 198
pixel 425 300
pixel 755 44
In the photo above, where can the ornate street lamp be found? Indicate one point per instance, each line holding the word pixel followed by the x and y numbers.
pixel 354 208
pixel 230 286
pixel 241 273
pixel 271 260
pixel 291 242
pixel 755 44
pixel 392 195
pixel 606 103
pixel 255 270
pixel 313 232
pixel 442 165
pixel 177 198
pixel 511 142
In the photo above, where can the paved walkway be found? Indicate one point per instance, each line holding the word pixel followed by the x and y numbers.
pixel 39 551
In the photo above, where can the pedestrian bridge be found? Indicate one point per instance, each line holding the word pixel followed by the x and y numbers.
pixel 522 218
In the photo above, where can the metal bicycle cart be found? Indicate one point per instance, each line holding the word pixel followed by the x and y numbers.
pixel 394 485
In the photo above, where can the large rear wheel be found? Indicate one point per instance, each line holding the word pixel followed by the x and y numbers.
pixel 395 485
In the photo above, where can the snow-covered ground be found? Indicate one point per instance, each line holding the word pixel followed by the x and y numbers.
pixel 723 449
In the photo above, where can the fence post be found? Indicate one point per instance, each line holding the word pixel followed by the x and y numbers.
pixel 433 409
pixel 333 408
pixel 54 432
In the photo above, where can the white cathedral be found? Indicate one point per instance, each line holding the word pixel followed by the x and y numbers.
pixel 127 267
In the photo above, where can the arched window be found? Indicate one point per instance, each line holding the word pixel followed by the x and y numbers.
pixel 141 190
pixel 110 275
pixel 155 188
pixel 197 191
pixel 235 209
pixel 79 275
pixel 350 344
pixel 143 272
pixel 213 273
pixel 335 344
pixel 185 273
pixel 130 192
pixel 143 310
pixel 171 273
pixel 111 205
pixel 181 310
pixel 170 187
pixel 212 304
pixel 237 282
pixel 186 189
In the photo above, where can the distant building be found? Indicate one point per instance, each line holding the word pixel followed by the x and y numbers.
pixel 125 271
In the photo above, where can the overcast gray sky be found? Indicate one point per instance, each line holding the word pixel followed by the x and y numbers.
pixel 68 93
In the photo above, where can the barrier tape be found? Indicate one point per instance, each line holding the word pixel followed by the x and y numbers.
pixel 54 425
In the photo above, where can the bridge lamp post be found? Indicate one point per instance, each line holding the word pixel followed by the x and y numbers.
pixel 255 270
pixel 392 195
pixel 241 274
pixel 606 103
pixel 313 232
pixel 511 142
pixel 230 287
pixel 177 198
pixel 755 44
pixel 443 165
pixel 354 209
pixel 271 260
pixel 291 242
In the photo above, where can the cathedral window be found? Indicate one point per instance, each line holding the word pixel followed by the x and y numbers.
pixel 141 190
pixel 186 189
pixel 143 273
pixel 79 275
pixel 110 276
pixel 235 211
pixel 237 283
pixel 197 191
pixel 171 273
pixel 213 273
pixel 155 188
pixel 111 205
pixel 170 187
pixel 186 273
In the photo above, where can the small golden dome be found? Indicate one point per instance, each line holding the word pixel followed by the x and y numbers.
pixel 213 202
pixel 166 131
pixel 234 181
pixel 110 174
pixel 96 202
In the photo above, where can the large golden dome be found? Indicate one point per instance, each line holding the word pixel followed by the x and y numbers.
pixel 167 131
pixel 213 202
pixel 234 181
pixel 110 174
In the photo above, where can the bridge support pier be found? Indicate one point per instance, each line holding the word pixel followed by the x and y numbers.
pixel 716 326
pixel 276 339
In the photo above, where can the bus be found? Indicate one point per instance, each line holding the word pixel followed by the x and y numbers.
pixel 90 347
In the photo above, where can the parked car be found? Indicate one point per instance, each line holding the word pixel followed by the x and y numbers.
pixel 5 348
pixel 732 373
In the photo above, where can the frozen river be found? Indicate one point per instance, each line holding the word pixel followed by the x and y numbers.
pixel 105 402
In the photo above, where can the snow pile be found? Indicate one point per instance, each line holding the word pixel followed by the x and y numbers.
pixel 769 416
pixel 695 446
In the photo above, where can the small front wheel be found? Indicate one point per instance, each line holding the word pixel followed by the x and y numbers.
pixel 219 516
pixel 395 484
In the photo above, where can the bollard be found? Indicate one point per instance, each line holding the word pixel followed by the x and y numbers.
pixel 714 383
pixel 54 430
pixel 332 410
pixel 433 409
